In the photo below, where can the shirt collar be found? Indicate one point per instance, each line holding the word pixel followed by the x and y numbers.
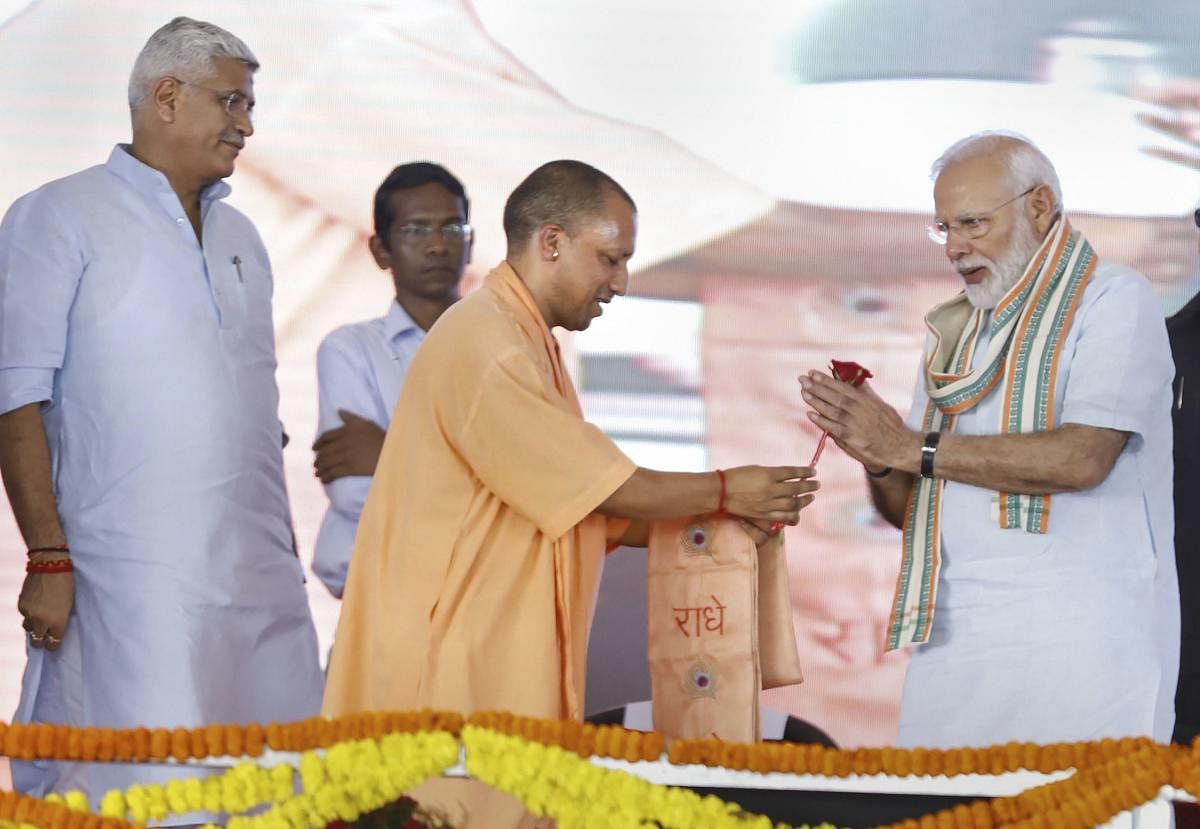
pixel 145 178
pixel 397 322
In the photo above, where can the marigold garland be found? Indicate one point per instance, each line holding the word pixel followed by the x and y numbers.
pixel 24 810
pixel 802 758
pixel 355 777
pixel 41 741
pixel 1090 797
pixel 584 739
pixel 371 759
pixel 8 824
pixel 554 782
pixel 332 785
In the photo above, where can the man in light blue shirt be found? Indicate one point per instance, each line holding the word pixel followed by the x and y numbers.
pixel 140 440
pixel 423 238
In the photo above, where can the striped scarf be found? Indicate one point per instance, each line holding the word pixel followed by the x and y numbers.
pixel 1024 348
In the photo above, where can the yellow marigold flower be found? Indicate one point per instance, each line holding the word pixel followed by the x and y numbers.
pixel 177 797
pixel 113 804
pixel 135 799
pixel 77 801
pixel 156 802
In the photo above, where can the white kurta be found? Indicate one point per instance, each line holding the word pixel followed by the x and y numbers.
pixel 156 355
pixel 1072 634
pixel 360 368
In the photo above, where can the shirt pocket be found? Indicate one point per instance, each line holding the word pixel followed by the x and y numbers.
pixel 246 303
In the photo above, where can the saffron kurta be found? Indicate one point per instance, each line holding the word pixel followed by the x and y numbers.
pixel 153 355
pixel 478 555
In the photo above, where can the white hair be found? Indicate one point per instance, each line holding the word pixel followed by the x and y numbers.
pixel 186 49
pixel 1027 166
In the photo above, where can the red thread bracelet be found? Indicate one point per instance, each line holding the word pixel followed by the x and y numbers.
pixel 721 500
pixel 41 568
pixel 57 548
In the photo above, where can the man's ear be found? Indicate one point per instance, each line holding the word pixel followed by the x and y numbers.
pixel 1043 208
pixel 380 253
pixel 164 98
pixel 548 240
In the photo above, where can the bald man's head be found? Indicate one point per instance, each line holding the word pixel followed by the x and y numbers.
pixel 564 193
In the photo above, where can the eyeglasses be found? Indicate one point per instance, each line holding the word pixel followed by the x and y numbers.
pixel 235 103
pixel 974 227
pixel 420 231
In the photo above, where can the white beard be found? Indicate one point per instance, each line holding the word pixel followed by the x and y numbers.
pixel 1001 275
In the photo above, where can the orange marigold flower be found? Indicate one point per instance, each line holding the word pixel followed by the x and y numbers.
pixel 181 743
pixel 255 738
pixel 234 744
pixel 106 747
pixel 89 744
pixel 141 743
pixel 160 744
pixel 214 739
pixel 198 742
pixel 123 744
pixel 62 740
pixel 74 744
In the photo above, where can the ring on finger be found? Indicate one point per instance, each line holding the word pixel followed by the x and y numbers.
pixel 33 637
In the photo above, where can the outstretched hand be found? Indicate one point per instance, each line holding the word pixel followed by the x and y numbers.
pixel 772 494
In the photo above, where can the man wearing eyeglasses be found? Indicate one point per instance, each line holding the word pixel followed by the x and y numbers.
pixel 1031 478
pixel 423 238
pixel 140 441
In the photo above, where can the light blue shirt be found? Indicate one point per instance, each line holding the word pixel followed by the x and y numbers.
pixel 360 368
pixel 154 357
pixel 1072 634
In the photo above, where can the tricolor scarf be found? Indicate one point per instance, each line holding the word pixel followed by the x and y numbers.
pixel 1023 351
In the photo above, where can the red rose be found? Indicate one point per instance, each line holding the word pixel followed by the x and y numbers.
pixel 849 372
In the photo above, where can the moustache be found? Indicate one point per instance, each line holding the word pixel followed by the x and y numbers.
pixel 963 266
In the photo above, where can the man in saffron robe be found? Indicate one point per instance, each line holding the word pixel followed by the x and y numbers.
pixel 475 569
pixel 1032 478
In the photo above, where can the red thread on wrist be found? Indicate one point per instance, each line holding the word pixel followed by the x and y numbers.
pixel 721 500
pixel 57 548
pixel 41 568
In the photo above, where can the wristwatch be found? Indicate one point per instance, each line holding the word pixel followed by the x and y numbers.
pixel 928 450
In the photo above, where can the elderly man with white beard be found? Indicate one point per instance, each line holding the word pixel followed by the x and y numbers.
pixel 1032 478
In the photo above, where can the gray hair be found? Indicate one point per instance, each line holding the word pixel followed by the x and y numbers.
pixel 186 49
pixel 1027 166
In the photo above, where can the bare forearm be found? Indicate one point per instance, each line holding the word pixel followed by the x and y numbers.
pixel 1068 459
pixel 650 494
pixel 890 494
pixel 25 466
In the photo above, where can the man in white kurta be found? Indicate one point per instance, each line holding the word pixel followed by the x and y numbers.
pixel 1084 619
pixel 151 354
pixel 1032 477
pixel 423 239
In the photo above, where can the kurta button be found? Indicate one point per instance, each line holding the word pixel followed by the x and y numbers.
pixel 179 221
